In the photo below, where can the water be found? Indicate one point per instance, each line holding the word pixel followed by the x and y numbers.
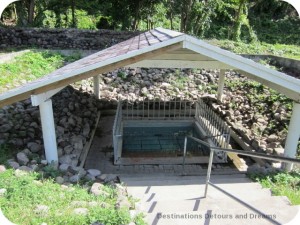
pixel 159 140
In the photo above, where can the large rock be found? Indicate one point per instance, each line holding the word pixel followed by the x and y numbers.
pixel 34 147
pixel 22 158
pixel 81 211
pixel 64 167
pixel 94 172
pixel 41 210
pixel 66 159
pixel 2 169
pixel 86 130
pixel 96 189
pixel 13 164
pixel 5 127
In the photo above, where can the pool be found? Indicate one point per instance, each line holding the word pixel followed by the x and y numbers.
pixel 154 133
pixel 160 140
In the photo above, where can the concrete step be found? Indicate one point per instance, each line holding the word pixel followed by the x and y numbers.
pixel 213 217
pixel 195 192
pixel 233 196
pixel 254 214
pixel 163 179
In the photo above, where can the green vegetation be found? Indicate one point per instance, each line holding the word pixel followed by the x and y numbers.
pixel 30 66
pixel 5 153
pixel 25 192
pixel 289 51
pixel 281 184
pixel 271 21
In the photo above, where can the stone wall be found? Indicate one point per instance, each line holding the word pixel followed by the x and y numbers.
pixel 62 38
pixel 289 66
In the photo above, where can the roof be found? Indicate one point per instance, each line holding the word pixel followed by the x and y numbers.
pixel 160 48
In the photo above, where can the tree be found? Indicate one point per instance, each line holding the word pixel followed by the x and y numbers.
pixel 241 19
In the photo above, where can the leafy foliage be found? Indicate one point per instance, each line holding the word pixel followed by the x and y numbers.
pixel 25 192
pixel 30 66
pixel 271 21
pixel 282 184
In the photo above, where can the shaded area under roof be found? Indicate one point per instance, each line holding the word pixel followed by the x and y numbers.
pixel 160 48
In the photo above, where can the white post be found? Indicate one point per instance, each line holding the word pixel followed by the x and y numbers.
pixel 48 128
pixel 96 87
pixel 221 85
pixel 292 139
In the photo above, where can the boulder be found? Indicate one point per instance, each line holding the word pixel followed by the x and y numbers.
pixel 81 211
pixel 22 158
pixel 64 167
pixel 59 180
pixel 13 164
pixel 96 189
pixel 66 159
pixel 2 169
pixel 94 172
pixel 34 147
pixel 41 210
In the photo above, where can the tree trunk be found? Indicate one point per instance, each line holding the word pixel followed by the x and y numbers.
pixel 237 22
pixel 185 14
pixel 73 5
pixel 31 11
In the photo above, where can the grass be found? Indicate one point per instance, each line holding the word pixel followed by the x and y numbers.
pixel 288 51
pixel 25 192
pixel 6 153
pixel 281 184
pixel 30 66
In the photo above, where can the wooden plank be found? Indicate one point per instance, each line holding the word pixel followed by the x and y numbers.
pixel 278 87
pixel 181 64
pixel 86 74
pixel 40 98
pixel 87 146
pixel 285 84
pixel 183 56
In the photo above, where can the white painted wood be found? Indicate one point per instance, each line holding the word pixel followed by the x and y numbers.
pixel 40 98
pixel 292 139
pixel 48 128
pixel 169 32
pixel 185 56
pixel 280 88
pixel 247 65
pixel 96 87
pixel 221 85
pixel 181 64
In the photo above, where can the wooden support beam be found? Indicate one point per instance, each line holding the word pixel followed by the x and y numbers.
pixel 293 136
pixel 221 85
pixel 212 64
pixel 40 98
pixel 48 128
pixel 280 88
pixel 96 86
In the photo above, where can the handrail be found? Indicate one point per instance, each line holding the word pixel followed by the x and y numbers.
pixel 240 152
pixel 247 153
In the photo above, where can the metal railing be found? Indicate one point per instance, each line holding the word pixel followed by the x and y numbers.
pixel 117 133
pixel 215 128
pixel 156 109
pixel 240 152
